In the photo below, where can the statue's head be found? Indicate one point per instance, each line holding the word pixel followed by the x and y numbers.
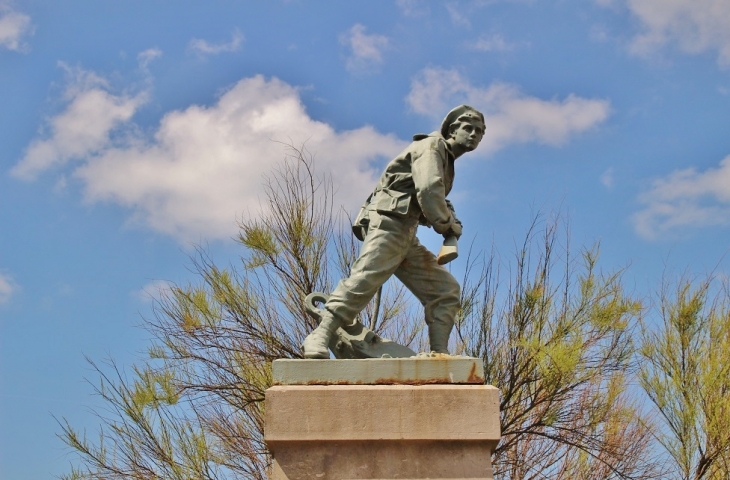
pixel 460 122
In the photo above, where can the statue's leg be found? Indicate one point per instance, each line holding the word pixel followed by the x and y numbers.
pixel 386 244
pixel 436 289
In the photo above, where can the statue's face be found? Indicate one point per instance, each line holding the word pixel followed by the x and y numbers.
pixel 468 134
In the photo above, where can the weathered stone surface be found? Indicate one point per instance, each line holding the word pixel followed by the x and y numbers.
pixel 437 369
pixel 382 431
pixel 384 460
pixel 371 412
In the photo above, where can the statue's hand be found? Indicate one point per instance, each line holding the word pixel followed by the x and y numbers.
pixel 456 229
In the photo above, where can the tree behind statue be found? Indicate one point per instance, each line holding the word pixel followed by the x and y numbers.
pixel 556 340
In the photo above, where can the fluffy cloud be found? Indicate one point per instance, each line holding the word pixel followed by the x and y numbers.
pixel 13 27
pixel 510 115
pixel 695 25
pixel 204 165
pixel 153 291
pixel 686 198
pixel 83 128
pixel 607 178
pixel 365 51
pixel 491 43
pixel 459 18
pixel 7 288
pixel 144 58
pixel 413 8
pixel 203 47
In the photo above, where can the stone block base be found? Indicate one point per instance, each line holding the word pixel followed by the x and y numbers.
pixel 439 369
pixel 384 460
pixel 336 432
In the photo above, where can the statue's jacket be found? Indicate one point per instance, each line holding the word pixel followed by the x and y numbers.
pixel 415 183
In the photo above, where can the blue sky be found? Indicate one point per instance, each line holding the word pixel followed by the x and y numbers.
pixel 132 131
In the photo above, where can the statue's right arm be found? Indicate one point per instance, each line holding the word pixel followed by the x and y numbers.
pixel 427 169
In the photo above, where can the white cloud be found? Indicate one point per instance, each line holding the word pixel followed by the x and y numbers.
pixel 413 8
pixel 203 47
pixel 458 17
pixel 695 25
pixel 607 178
pixel 685 198
pixel 154 290
pixel 144 58
pixel 13 27
pixel 83 128
pixel 366 51
pixel 510 115
pixel 7 288
pixel 203 167
pixel 491 43
pixel 599 33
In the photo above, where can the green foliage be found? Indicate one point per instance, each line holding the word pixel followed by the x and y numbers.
pixel 560 350
pixel 686 374
pixel 151 436
pixel 557 339
pixel 195 409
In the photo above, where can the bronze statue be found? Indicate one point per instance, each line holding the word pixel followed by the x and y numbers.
pixel 412 190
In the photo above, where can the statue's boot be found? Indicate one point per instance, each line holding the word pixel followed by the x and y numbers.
pixel 316 343
pixel 438 336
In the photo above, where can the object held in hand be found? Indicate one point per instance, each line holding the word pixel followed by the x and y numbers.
pixel 449 250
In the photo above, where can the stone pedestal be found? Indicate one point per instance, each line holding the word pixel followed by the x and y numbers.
pixel 411 418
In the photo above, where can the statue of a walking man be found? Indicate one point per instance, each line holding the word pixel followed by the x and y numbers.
pixel 412 190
